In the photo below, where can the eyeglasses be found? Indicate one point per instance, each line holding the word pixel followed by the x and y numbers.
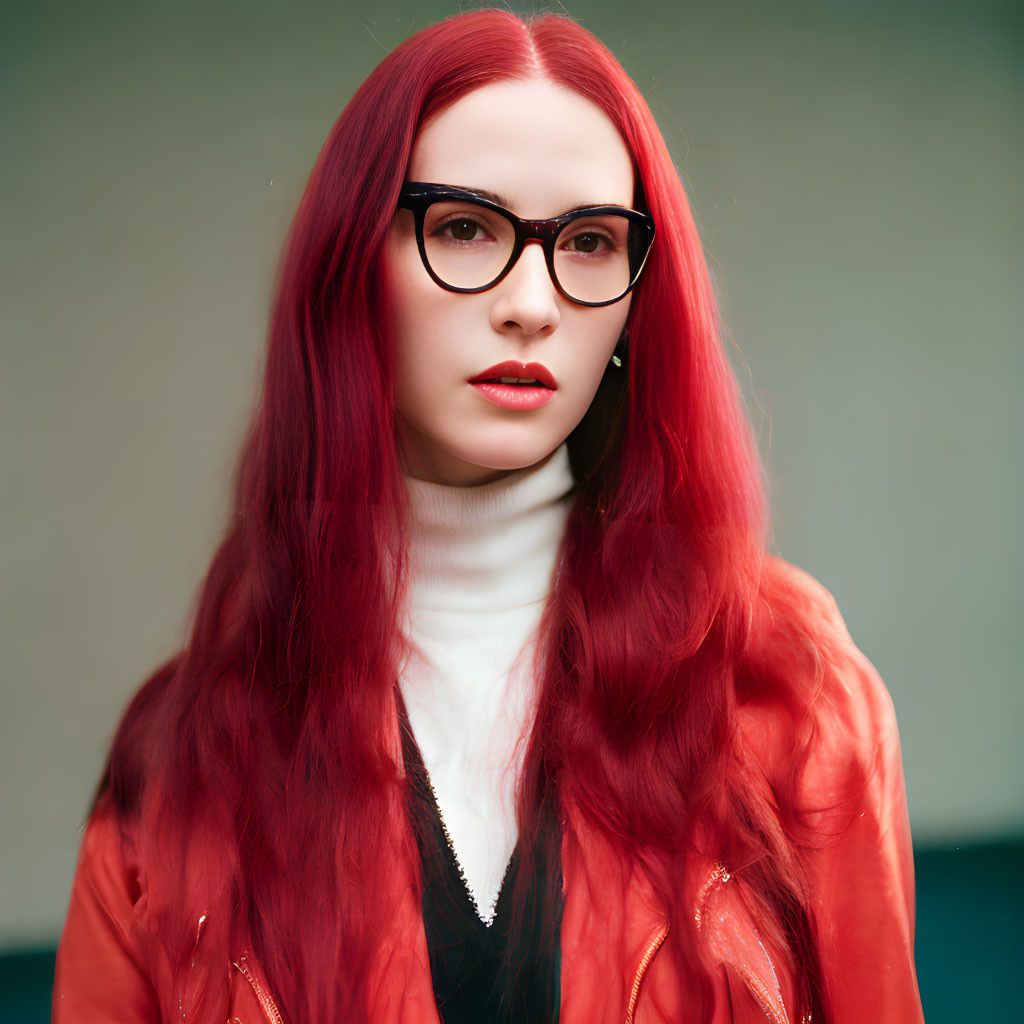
pixel 595 255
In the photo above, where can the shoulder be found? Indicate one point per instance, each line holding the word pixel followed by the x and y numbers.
pixel 108 873
pixel 809 701
pixel 107 863
pixel 815 742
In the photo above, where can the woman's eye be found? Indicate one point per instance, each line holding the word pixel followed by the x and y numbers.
pixel 462 229
pixel 588 241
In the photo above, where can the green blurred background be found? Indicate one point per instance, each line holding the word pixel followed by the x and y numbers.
pixel 855 172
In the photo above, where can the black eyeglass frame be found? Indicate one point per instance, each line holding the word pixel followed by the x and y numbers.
pixel 419 196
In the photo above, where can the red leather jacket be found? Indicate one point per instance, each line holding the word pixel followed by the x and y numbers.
pixel 614 934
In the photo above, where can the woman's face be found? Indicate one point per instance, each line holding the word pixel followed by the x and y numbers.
pixel 541 151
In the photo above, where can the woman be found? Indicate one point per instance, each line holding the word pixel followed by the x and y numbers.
pixel 495 707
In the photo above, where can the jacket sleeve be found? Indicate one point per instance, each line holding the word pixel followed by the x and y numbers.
pixel 857 853
pixel 100 976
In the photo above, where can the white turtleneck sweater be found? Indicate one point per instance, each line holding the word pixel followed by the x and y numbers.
pixel 482 563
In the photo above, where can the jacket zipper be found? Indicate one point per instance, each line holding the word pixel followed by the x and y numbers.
pixel 645 962
pixel 267 1004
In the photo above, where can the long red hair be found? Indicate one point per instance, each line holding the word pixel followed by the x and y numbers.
pixel 253 768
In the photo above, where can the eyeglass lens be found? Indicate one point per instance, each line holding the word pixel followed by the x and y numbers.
pixel 468 246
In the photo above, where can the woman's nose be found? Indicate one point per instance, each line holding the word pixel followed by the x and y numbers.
pixel 526 300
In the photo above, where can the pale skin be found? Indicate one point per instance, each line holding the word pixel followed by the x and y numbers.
pixel 544 150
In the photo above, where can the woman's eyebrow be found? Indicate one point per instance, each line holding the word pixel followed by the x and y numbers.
pixel 502 201
pixel 484 194
pixel 587 206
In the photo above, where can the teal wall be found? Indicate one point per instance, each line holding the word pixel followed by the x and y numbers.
pixel 855 172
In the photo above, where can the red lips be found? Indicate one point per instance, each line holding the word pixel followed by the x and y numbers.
pixel 524 371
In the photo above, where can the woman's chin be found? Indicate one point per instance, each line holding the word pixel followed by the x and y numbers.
pixel 467 465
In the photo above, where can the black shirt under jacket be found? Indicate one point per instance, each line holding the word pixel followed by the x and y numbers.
pixel 496 973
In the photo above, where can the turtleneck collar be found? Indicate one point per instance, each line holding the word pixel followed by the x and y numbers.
pixel 482 562
pixel 491 546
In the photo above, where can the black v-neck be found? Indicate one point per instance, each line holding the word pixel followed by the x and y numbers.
pixel 479 971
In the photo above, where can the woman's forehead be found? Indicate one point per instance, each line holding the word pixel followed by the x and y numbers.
pixel 543 148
